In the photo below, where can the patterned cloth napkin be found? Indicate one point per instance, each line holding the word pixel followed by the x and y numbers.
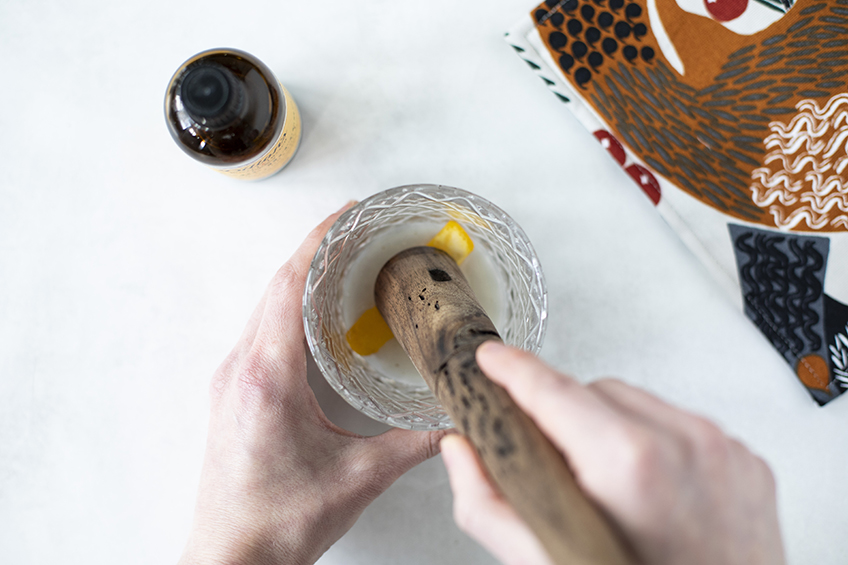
pixel 732 116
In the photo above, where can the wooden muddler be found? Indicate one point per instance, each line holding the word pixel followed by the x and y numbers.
pixel 435 316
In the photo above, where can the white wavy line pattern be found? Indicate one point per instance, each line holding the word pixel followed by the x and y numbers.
pixel 805 177
pixel 839 356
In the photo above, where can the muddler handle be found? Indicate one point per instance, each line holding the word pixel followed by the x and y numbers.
pixel 435 316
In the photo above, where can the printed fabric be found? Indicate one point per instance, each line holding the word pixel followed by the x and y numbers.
pixel 732 117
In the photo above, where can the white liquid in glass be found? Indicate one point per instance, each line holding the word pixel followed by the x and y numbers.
pixel 358 290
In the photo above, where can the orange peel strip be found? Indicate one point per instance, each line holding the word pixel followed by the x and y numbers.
pixel 454 241
pixel 369 333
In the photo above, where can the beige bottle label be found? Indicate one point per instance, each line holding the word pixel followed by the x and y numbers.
pixel 279 154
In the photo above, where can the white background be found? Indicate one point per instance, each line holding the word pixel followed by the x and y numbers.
pixel 127 270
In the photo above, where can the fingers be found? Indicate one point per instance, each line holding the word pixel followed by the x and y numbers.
pixel 396 451
pixel 700 433
pixel 643 405
pixel 573 417
pixel 279 329
pixel 655 470
pixel 481 512
pixel 249 333
pixel 376 462
pixel 270 349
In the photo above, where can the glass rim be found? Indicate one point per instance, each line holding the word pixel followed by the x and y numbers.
pixel 316 272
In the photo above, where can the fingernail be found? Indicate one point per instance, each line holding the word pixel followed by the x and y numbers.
pixel 448 445
pixel 492 347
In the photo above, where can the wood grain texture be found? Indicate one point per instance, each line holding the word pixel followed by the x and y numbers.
pixel 434 314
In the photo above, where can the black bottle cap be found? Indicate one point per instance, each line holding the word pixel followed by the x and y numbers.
pixel 211 95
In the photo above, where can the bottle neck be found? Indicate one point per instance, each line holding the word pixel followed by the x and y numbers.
pixel 212 97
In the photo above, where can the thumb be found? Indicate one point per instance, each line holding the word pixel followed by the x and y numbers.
pixel 397 451
pixel 481 512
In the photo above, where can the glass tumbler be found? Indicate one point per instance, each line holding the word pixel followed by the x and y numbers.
pixel 519 288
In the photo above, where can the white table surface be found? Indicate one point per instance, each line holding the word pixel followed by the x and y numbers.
pixel 127 270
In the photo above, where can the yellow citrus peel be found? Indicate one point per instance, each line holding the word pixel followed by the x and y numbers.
pixel 454 241
pixel 371 332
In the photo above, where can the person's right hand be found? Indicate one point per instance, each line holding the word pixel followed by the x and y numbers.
pixel 674 484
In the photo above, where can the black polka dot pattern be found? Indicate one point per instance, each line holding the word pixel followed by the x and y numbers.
pixel 558 40
pixel 595 59
pixel 587 32
pixel 582 75
pixel 579 49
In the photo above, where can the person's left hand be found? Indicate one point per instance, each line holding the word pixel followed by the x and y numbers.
pixel 280 483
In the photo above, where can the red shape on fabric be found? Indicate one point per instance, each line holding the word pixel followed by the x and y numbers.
pixel 646 180
pixel 612 145
pixel 726 10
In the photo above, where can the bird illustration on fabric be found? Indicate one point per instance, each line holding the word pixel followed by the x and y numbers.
pixel 743 104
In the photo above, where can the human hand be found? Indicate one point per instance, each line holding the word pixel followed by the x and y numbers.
pixel 280 483
pixel 674 484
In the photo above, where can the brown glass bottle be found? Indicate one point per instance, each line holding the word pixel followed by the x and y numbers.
pixel 226 109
